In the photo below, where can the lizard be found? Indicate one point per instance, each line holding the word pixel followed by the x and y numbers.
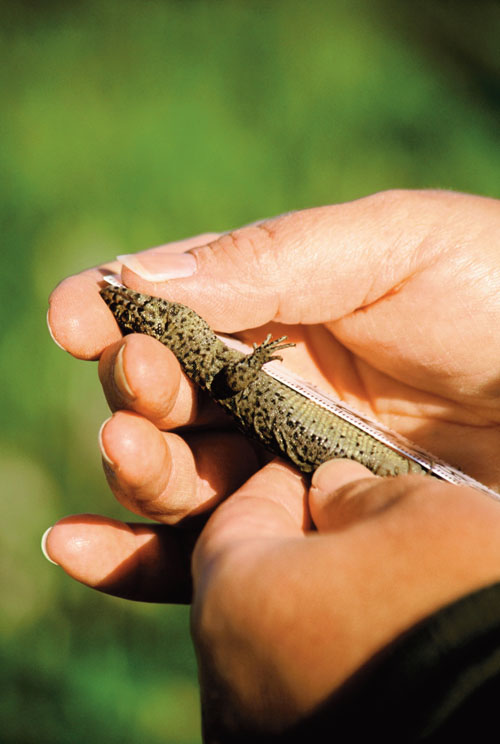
pixel 284 421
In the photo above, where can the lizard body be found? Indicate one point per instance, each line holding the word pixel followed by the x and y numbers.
pixel 283 420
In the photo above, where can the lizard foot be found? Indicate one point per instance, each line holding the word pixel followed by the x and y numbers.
pixel 235 377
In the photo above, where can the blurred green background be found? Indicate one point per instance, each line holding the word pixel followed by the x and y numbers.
pixel 127 124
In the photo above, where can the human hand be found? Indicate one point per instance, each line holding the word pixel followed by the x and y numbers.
pixel 283 616
pixel 401 290
pixel 393 302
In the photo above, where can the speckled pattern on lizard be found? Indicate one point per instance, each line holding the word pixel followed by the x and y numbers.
pixel 284 421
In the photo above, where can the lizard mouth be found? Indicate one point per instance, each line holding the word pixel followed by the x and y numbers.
pixel 123 304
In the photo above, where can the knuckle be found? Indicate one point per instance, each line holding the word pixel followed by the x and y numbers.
pixel 252 245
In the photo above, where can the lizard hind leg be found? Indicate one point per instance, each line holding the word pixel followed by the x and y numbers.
pixel 235 377
pixel 266 351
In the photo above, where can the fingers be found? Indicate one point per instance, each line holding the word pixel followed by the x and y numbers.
pixel 78 319
pixel 342 492
pixel 312 266
pixel 140 374
pixel 269 507
pixel 322 605
pixel 151 563
pixel 176 247
pixel 148 563
pixel 391 551
pixel 412 524
pixel 169 478
pixel 322 265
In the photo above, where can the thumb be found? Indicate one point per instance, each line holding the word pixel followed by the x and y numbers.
pixel 269 508
pixel 344 492
pixel 311 266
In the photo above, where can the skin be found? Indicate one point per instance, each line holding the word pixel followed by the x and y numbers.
pixel 394 303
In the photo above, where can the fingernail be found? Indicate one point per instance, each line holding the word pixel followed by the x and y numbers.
pixel 337 473
pixel 160 267
pixel 120 377
pixel 104 454
pixel 344 492
pixel 43 545
pixel 54 339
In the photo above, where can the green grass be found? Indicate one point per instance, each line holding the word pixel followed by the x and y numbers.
pixel 126 124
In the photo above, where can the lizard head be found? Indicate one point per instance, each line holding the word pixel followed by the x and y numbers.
pixel 136 312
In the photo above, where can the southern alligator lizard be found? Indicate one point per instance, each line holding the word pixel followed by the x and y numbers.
pixel 283 420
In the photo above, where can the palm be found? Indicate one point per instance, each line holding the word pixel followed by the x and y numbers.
pixel 446 425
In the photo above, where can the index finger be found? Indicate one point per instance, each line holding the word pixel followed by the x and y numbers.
pixel 78 319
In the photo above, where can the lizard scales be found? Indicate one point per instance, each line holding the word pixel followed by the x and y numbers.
pixel 283 420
